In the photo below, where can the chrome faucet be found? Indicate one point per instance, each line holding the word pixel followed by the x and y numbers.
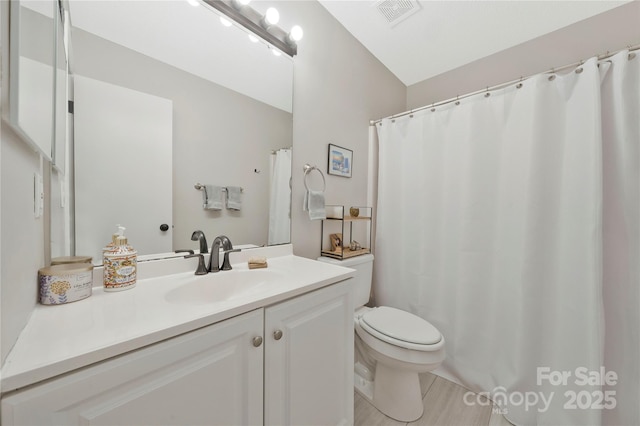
pixel 214 259
pixel 199 236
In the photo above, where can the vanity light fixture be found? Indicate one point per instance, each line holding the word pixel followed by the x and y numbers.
pixel 263 26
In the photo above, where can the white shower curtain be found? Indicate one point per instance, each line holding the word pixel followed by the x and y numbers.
pixel 621 230
pixel 490 226
pixel 280 198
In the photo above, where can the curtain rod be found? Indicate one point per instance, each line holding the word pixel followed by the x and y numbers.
pixel 500 86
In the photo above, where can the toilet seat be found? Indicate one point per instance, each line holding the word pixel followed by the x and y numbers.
pixel 400 328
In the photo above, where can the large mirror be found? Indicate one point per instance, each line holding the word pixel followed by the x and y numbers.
pixel 166 98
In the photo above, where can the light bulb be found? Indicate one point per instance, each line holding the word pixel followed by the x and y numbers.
pixel 296 33
pixel 272 16
pixel 239 4
pixel 224 21
pixel 253 38
pixel 193 3
pixel 276 52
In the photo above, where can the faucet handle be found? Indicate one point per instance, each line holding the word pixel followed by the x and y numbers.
pixel 184 251
pixel 201 269
pixel 226 265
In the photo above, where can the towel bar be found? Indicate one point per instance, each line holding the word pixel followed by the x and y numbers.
pixel 308 169
pixel 201 187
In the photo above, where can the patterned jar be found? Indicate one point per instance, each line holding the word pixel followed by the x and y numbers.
pixel 60 284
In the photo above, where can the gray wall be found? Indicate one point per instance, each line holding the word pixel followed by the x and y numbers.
pixel 610 31
pixel 22 237
pixel 338 87
pixel 21 234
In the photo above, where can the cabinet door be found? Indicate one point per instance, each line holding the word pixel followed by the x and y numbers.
pixel 209 376
pixel 309 366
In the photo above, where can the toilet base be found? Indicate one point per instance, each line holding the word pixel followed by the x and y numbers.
pixel 397 394
pixel 394 393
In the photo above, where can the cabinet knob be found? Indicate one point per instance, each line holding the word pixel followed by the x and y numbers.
pixel 277 334
pixel 257 341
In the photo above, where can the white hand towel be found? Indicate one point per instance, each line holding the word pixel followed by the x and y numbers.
pixel 234 197
pixel 212 197
pixel 314 204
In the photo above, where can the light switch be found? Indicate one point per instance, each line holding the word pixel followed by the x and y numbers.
pixel 38 195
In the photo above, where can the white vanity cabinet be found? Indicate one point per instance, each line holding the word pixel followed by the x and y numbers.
pixel 209 376
pixel 308 366
pixel 288 363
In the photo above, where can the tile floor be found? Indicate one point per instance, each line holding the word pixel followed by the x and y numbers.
pixel 443 405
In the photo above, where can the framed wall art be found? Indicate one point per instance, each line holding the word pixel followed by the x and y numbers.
pixel 340 161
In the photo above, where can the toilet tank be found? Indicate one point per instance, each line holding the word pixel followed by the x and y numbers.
pixel 362 279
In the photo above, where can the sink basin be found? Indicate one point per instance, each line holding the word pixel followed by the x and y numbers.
pixel 222 286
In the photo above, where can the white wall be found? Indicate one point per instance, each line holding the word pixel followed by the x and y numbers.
pixel 338 87
pixel 610 31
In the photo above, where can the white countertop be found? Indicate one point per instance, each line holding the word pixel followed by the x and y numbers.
pixel 62 338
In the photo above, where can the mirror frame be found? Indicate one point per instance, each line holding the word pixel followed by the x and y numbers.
pixel 16 99
pixel 61 108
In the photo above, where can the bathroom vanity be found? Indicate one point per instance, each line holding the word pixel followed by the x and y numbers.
pixel 269 346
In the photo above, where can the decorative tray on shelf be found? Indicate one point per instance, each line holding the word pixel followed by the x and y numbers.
pixel 345 253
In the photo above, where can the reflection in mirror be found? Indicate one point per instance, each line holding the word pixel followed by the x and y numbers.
pixel 157 111
pixel 31 91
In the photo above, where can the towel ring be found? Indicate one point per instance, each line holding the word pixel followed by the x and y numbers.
pixel 308 169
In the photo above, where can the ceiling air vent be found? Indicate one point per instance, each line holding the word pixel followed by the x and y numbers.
pixel 396 11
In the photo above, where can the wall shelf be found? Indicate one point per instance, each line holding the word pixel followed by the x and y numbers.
pixel 340 230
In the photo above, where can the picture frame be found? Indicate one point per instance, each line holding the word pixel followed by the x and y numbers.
pixel 340 161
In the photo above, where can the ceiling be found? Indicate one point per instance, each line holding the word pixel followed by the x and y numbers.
pixel 444 35
pixel 440 36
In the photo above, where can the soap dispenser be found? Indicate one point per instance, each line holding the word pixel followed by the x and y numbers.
pixel 112 244
pixel 120 264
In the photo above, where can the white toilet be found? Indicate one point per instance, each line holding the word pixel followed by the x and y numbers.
pixel 393 344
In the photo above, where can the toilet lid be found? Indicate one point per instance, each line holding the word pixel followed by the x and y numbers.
pixel 400 325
